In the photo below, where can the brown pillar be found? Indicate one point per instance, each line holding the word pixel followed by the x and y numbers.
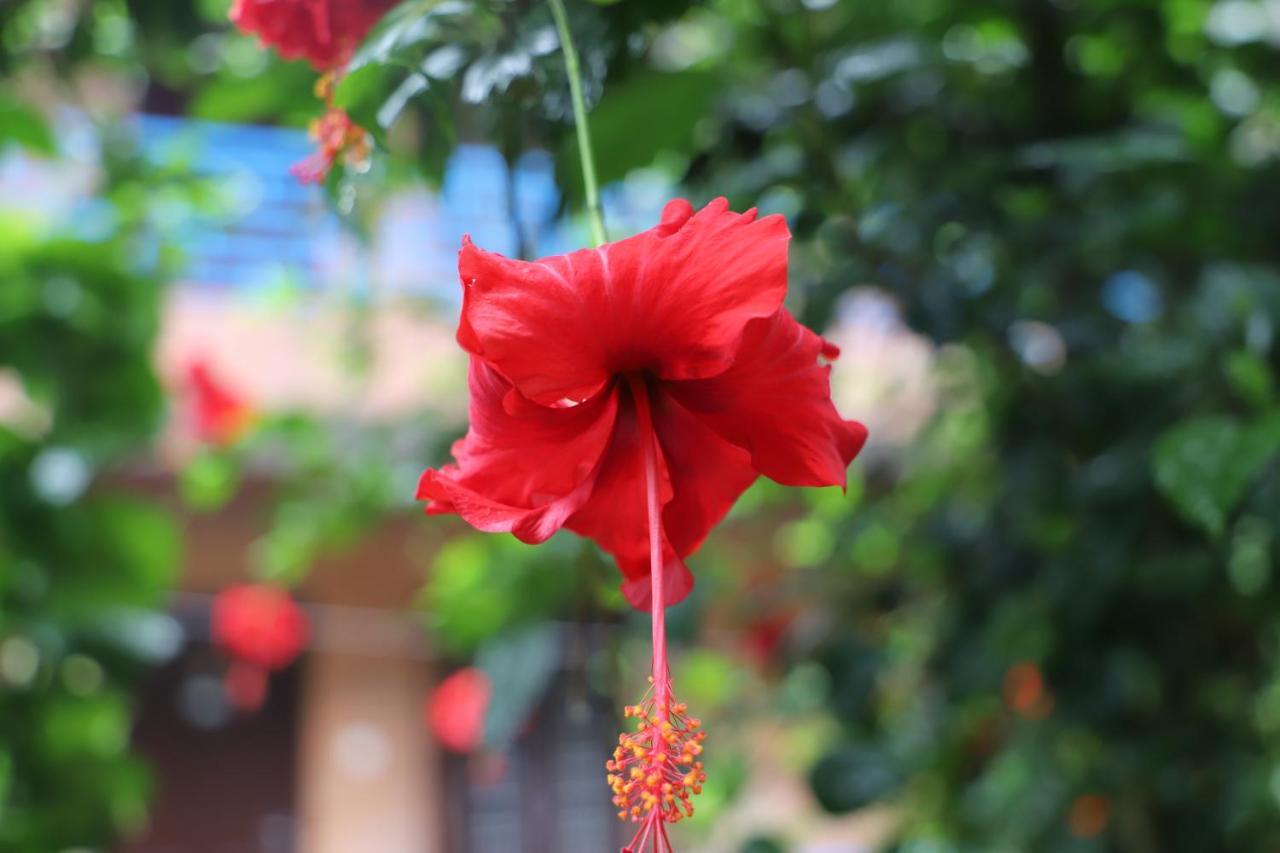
pixel 369 773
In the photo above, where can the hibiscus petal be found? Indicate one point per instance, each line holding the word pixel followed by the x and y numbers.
pixel 775 401
pixel 522 468
pixel 706 281
pixel 528 524
pixel 672 301
pixel 637 586
pixel 616 516
pixel 325 32
pixel 701 475
pixel 707 473
pixel 530 322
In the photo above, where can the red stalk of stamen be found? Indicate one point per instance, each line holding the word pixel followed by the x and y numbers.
pixel 657 604
pixel 655 770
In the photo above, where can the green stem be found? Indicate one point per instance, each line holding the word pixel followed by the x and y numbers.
pixel 574 70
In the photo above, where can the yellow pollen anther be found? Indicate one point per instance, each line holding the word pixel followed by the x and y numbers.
pixel 654 769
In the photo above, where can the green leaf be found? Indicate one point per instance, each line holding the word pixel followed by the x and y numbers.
pixel 522 665
pixel 406 25
pixel 418 42
pixel 483 586
pixel 395 104
pixel 464 598
pixel 360 93
pixel 209 481
pixel 287 97
pixel 1249 565
pixel 707 679
pixel 804 542
pixel 1250 377
pixel 639 119
pixel 140 634
pixel 852 777
pixel 763 844
pixel 1203 466
pixel 147 542
pixel 80 729
pixel 117 552
pixel 21 125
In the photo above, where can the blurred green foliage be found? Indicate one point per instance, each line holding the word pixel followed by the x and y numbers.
pixel 83 570
pixel 1064 589
pixel 480 587
pixel 1048 623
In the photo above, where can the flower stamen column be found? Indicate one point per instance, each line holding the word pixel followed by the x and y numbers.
pixel 655 769
pixel 648 438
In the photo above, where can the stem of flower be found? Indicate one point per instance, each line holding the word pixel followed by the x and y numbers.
pixel 574 70
pixel 657 605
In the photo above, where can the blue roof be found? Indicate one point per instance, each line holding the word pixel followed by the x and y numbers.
pixel 278 229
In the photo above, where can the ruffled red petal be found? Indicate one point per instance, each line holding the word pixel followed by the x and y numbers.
pixel 324 32
pixel 615 515
pixel 775 402
pixel 522 468
pixel 701 475
pixel 532 324
pixel 736 388
pixel 707 473
pixel 672 301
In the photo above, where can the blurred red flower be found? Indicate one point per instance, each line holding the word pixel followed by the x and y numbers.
pixel 218 415
pixel 1089 815
pixel 683 322
pixel 763 637
pixel 457 708
pixel 337 137
pixel 324 32
pixel 259 624
pixel 245 685
pixel 1025 691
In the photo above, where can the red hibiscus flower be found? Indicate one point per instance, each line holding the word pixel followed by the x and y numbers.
pixel 337 138
pixel 324 32
pixel 218 415
pixel 263 629
pixel 259 624
pixel 679 333
pixel 457 708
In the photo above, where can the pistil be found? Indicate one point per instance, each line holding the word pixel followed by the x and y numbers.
pixel 655 769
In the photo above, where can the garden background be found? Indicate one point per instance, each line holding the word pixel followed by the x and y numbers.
pixel 1044 617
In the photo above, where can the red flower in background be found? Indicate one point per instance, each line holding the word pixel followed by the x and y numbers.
pixel 763 636
pixel 218 415
pixel 678 332
pixel 337 138
pixel 457 708
pixel 324 32
pixel 260 625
